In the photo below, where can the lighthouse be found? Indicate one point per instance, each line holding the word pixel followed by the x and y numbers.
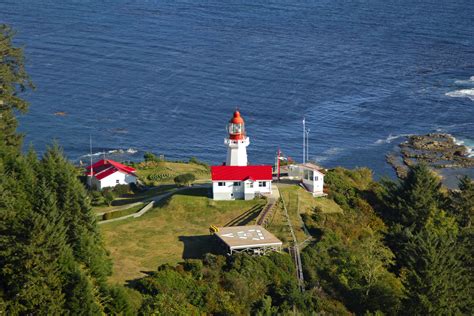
pixel 236 142
pixel 236 180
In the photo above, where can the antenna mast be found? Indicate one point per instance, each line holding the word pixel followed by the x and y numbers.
pixel 304 140
pixel 90 155
pixel 307 144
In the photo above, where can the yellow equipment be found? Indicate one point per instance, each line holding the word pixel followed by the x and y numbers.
pixel 213 229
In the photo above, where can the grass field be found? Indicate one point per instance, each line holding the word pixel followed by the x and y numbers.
pixel 167 170
pixel 176 229
pixel 297 202
pixel 124 201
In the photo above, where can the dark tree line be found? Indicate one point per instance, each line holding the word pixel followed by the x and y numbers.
pixel 52 257
pixel 430 233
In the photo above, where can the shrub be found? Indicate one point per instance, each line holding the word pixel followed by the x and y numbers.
pixel 184 179
pixel 159 176
pixel 108 196
pixel 196 161
pixel 151 157
pixel 96 198
pixel 121 189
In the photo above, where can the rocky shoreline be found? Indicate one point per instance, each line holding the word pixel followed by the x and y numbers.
pixel 438 150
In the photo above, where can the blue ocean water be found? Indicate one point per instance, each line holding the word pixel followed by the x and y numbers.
pixel 165 76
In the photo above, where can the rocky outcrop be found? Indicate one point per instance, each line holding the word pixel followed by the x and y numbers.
pixel 437 150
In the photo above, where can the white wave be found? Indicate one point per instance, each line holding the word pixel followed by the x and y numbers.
pixel 111 152
pixel 327 154
pixel 465 82
pixel 463 93
pixel 390 138
pixel 468 143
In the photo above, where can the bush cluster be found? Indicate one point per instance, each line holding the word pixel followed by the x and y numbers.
pixel 184 179
pixel 159 176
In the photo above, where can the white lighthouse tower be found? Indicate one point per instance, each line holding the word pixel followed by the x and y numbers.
pixel 236 142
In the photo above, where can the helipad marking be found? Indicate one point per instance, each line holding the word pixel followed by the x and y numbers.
pixel 254 234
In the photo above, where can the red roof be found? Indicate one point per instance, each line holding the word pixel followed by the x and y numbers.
pixel 241 173
pixel 105 167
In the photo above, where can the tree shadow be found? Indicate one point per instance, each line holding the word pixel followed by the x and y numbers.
pixel 125 202
pixel 135 283
pixel 196 191
pixel 247 217
pixel 195 247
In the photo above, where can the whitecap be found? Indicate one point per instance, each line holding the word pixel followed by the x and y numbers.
pixel 93 154
pixel 390 138
pixel 463 93
pixel 469 81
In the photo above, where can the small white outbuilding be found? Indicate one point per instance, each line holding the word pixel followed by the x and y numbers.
pixel 311 175
pixel 107 173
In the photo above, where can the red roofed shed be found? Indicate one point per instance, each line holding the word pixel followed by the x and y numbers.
pixel 109 173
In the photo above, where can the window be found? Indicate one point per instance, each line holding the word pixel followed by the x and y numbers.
pixel 316 178
pixel 236 184
pixel 117 181
pixel 249 184
pixel 262 184
pixel 220 184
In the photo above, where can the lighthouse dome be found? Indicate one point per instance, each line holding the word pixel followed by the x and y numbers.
pixel 236 127
pixel 237 119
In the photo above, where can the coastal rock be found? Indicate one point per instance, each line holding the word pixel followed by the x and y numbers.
pixel 438 150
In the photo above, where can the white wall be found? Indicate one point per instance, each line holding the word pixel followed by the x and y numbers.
pixel 315 182
pixel 222 192
pixel 237 152
pixel 111 180
pixel 231 192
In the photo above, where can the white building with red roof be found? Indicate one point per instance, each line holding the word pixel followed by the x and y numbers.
pixel 240 182
pixel 235 180
pixel 107 173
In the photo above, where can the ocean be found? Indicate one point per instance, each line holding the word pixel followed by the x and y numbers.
pixel 165 76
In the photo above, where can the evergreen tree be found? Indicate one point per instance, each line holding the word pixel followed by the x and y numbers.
pixel 414 200
pixel 81 298
pixel 436 281
pixel 33 244
pixel 461 202
pixel 13 80
pixel 82 230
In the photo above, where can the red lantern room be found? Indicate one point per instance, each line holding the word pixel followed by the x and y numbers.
pixel 236 127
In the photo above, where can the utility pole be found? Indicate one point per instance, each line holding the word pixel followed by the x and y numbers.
pixel 278 163
pixel 304 140
pixel 90 155
pixel 307 144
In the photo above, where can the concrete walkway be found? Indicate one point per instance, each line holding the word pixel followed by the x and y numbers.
pixel 268 209
pixel 120 208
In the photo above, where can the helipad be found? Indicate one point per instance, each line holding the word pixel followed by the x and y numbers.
pixel 255 239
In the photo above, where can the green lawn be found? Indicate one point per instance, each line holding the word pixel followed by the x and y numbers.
pixel 168 170
pixel 177 228
pixel 123 201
